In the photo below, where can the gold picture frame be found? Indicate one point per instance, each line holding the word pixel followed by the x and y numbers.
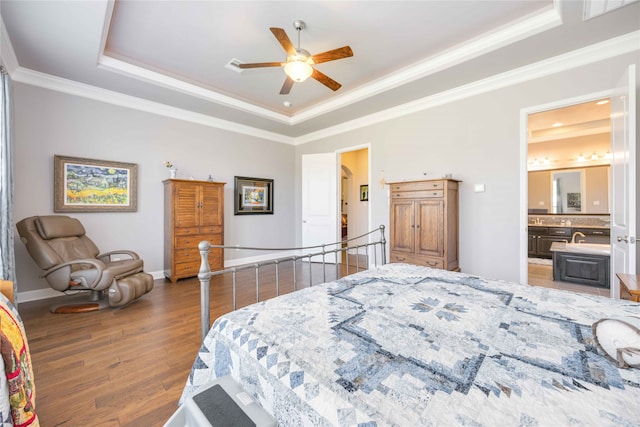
pixel 90 185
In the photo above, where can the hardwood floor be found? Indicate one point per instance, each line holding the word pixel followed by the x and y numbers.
pixel 128 366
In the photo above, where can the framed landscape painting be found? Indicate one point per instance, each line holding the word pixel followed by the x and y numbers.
pixel 253 196
pixel 89 185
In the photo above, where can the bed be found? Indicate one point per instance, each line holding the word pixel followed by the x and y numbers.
pixel 407 345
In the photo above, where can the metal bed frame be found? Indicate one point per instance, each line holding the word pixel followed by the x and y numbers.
pixel 205 274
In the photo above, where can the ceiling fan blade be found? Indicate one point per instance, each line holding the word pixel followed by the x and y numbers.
pixel 260 65
pixel 332 55
pixel 283 38
pixel 326 80
pixel 286 87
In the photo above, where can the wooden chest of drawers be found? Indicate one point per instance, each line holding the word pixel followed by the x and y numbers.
pixel 194 211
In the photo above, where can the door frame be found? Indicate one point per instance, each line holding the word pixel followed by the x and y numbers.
pixel 346 150
pixel 524 179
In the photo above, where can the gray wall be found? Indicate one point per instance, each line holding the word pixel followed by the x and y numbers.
pixel 48 123
pixel 476 139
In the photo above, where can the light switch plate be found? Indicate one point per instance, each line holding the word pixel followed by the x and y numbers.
pixel 478 188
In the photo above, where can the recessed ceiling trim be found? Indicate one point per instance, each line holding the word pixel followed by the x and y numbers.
pixel 121 67
pixel 591 54
pixel 35 78
pixel 511 33
pixel 507 34
pixel 577 58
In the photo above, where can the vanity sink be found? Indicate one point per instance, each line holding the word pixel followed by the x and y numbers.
pixel 588 248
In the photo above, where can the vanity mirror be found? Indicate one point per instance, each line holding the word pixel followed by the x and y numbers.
pixel 570 191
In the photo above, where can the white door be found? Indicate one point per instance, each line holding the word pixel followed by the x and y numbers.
pixel 319 201
pixel 623 179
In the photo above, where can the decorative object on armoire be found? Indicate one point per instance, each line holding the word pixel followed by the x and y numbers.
pixel 172 171
pixel 71 262
pixel 253 196
pixel 424 223
pixel 193 212
pixel 89 185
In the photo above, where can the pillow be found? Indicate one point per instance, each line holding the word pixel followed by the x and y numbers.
pixel 18 371
pixel 619 338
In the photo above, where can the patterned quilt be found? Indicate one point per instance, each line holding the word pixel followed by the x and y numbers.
pixel 403 345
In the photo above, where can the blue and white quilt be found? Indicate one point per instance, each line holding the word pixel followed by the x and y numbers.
pixel 403 345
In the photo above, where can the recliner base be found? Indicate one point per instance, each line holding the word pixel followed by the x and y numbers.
pixel 81 303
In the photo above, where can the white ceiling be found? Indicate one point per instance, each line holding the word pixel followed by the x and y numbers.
pixel 174 52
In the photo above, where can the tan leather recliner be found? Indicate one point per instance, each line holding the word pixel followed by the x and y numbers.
pixel 72 262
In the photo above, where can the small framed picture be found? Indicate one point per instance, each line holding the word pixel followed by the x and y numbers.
pixel 253 196
pixel 364 193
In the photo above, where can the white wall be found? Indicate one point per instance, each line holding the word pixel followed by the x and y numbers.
pixel 476 139
pixel 48 123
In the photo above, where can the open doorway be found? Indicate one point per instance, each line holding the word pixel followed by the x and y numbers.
pixel 569 197
pixel 354 212
pixel 322 204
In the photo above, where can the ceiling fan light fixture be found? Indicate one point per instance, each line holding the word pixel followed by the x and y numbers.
pixel 298 67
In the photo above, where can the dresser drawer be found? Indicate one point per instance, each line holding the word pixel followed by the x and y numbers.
pixel 186 231
pixel 211 229
pixel 417 260
pixel 186 255
pixel 188 242
pixel 187 269
pixel 194 241
pixel 431 194
pixel 417 186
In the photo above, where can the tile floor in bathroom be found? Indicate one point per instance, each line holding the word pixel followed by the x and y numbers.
pixel 542 275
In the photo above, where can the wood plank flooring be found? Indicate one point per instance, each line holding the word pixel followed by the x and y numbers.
pixel 128 366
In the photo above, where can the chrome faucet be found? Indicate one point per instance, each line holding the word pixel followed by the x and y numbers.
pixel 573 238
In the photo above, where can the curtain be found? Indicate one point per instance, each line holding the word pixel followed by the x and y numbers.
pixel 7 256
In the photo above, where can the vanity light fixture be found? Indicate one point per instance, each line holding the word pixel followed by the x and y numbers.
pixel 581 158
pixel 594 156
pixel 536 162
pixel 608 155
pixel 547 161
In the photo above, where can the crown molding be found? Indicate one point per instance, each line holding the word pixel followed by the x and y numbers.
pixel 143 74
pixel 35 78
pixel 507 34
pixel 511 33
pixel 590 54
pixel 7 54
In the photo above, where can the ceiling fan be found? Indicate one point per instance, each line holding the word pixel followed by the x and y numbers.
pixel 298 66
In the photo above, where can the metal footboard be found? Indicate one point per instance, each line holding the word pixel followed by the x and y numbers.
pixel 312 254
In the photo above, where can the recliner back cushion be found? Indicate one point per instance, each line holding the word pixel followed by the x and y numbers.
pixel 52 226
pixel 41 237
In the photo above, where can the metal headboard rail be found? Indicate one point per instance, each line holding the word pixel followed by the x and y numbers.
pixel 205 274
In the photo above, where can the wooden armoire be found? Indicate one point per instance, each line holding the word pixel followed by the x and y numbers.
pixel 193 212
pixel 424 223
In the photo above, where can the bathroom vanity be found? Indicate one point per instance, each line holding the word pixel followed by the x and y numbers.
pixel 581 263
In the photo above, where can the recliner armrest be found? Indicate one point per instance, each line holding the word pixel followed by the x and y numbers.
pixel 108 255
